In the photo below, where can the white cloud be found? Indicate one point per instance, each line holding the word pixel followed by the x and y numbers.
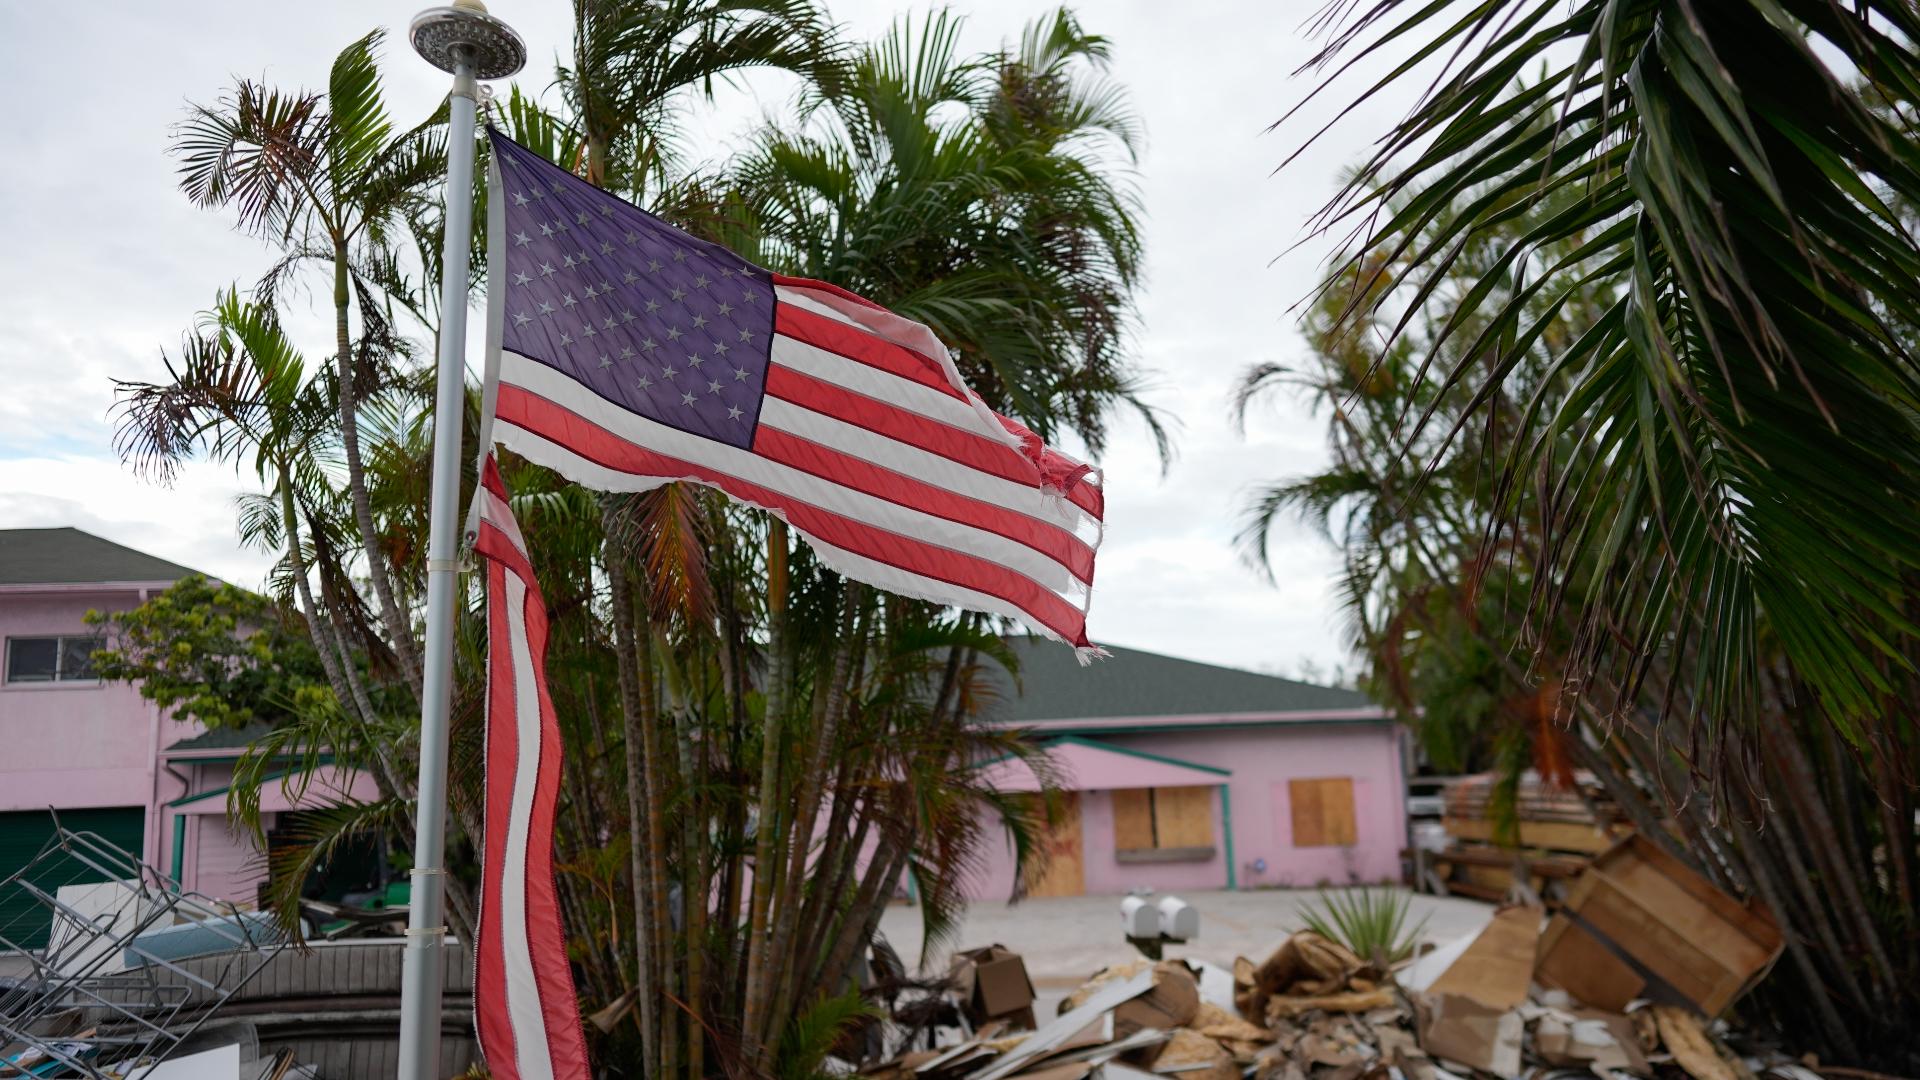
pixel 109 263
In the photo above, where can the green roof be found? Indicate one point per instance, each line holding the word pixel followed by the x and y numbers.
pixel 68 556
pixel 1134 682
pixel 223 738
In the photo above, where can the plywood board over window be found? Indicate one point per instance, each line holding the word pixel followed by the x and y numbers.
pixel 1323 812
pixel 1172 821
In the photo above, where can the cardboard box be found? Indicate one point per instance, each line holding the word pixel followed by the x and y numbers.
pixel 1173 1002
pixel 993 985
pixel 1639 923
pixel 1464 1031
pixel 1497 969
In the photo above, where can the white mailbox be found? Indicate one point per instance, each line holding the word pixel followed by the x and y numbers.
pixel 1179 920
pixel 1139 917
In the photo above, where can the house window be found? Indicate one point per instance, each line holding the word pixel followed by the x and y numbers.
pixel 1163 824
pixel 51 659
pixel 1323 812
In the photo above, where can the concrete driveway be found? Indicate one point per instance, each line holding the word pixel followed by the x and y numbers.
pixel 1066 939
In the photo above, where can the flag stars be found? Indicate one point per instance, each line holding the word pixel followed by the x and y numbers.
pixel 609 323
pixel 520 199
pixel 721 347
pixel 626 352
pixel 695 360
pixel 564 227
pixel 521 318
pixel 570 262
pixel 546 308
pixel 582 218
pixel 746 335
pixel 569 302
pixel 686 399
pixel 670 371
pixel 588 330
pixel 606 210
pixel 677 295
pixel 725 310
pixel 632 238
pixel 699 321
pixel 629 278
pixel 680 255
pixel 521 238
pixel 566 338
pixel 547 270
pixel 713 386
pixel 627 316
pixel 733 413
pixel 558 186
pixel 652 306
pixel 546 229
pixel 586 256
pixel 702 282
pixel 654 266
pixel 643 383
pixel 741 374
pixel 748 296
pixel 649 344
pixel 673 333
pixel 606 248
pixel 522 278
pixel 606 361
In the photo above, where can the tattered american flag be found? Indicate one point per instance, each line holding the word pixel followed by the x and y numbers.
pixel 525 1009
pixel 631 354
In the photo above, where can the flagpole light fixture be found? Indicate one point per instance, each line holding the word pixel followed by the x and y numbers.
pixel 441 34
pixel 460 38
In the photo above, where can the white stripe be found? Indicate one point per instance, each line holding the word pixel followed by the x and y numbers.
pixel 926 466
pixel 898 329
pixel 541 451
pixel 830 367
pixel 523 990
pixel 495 511
pixel 827 495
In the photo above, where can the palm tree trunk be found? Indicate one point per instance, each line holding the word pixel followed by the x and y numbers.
pixel 764 829
pixel 811 791
pixel 628 662
pixel 377 567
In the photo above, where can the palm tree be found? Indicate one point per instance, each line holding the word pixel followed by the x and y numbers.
pixel 979 195
pixel 1702 494
pixel 327 180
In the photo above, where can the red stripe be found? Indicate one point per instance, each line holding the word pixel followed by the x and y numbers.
pixel 831 465
pixel 856 344
pixel 581 436
pixel 809 283
pixel 1084 495
pixel 490 1017
pixel 901 425
pixel 546 937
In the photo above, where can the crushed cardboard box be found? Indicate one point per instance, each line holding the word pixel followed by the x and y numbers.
pixel 993 985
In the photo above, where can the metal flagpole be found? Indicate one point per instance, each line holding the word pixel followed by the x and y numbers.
pixel 465 40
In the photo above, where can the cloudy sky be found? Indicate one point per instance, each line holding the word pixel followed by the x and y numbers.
pixel 107 263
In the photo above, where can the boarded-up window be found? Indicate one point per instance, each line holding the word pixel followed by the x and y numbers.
pixel 1148 819
pixel 1323 812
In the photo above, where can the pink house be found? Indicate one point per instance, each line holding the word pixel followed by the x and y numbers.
pixel 1183 776
pixel 98 755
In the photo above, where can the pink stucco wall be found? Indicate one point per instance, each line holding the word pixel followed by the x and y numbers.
pixel 1262 760
pixel 79 745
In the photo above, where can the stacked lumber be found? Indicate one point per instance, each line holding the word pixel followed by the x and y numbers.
pixel 1558 832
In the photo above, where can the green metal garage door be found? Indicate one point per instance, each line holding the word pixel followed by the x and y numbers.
pixel 23 920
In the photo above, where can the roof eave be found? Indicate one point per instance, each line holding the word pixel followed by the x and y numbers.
pixel 1370 714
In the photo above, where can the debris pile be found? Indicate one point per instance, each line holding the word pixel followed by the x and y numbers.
pixel 1523 997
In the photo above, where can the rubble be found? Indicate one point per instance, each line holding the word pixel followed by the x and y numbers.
pixel 1509 1002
